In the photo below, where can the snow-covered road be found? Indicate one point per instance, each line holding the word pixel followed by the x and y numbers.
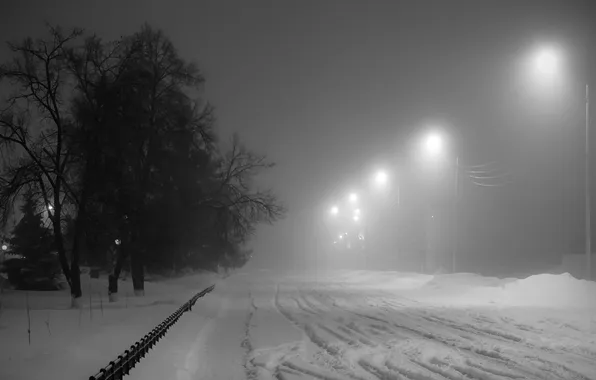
pixel 371 326
pixel 336 325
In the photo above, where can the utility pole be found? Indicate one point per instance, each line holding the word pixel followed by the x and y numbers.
pixel 455 217
pixel 587 190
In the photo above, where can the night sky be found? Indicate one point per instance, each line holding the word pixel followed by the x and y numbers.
pixel 329 89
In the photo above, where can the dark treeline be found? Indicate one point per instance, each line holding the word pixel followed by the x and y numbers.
pixel 114 141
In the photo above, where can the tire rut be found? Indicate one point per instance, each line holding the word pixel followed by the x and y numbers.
pixel 250 369
pixel 498 354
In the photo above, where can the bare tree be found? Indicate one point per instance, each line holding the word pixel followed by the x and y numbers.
pixel 34 123
pixel 244 206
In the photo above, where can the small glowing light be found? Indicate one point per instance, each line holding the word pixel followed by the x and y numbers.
pixel 356 218
pixel 117 241
pixel 341 237
pixel 381 178
pixel 357 211
pixel 50 207
pixel 334 210
pixel 433 144
pixel 4 247
pixel 547 61
pixel 353 197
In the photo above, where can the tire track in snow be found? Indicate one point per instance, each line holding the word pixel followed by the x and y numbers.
pixel 486 348
pixel 249 368
pixel 394 372
pixel 383 373
pixel 330 352
pixel 491 334
pixel 453 344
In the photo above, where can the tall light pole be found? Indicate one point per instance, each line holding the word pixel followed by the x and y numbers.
pixel 434 147
pixel 455 225
pixel 547 63
pixel 587 190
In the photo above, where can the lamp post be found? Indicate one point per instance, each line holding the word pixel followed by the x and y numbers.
pixel 587 190
pixel 434 146
pixel 547 64
pixel 455 225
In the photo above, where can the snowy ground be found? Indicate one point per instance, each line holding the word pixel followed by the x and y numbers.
pixel 75 344
pixel 340 325
pixel 383 325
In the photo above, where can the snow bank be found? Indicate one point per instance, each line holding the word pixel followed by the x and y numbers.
pixel 465 280
pixel 389 280
pixel 544 290
pixel 548 290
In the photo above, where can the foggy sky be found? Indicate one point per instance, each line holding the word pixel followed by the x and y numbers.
pixel 329 88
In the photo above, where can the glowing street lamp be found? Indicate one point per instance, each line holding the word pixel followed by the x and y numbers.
pixel 4 247
pixel 547 61
pixel 353 198
pixel 334 210
pixel 356 218
pixel 381 178
pixel 433 144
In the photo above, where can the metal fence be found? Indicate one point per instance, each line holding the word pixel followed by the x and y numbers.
pixel 117 369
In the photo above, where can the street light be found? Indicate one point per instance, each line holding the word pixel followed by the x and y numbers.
pixel 334 210
pixel 434 147
pixel 353 197
pixel 546 62
pixel 433 144
pixel 381 179
pixel 4 247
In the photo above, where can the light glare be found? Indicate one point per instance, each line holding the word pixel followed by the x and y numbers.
pixel 434 143
pixel 381 178
pixel 547 61
pixel 4 247
pixel 334 210
pixel 353 197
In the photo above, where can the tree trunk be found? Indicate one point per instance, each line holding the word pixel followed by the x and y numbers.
pixel 79 230
pixel 138 273
pixel 75 277
pixel 113 278
pixel 72 274
pixel 75 288
pixel 138 277
pixel 59 241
